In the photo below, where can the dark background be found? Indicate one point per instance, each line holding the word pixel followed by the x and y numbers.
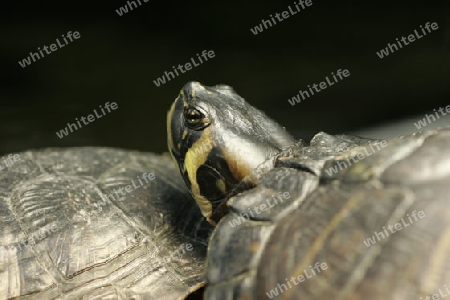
pixel 118 57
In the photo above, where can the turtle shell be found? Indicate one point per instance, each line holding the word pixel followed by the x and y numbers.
pixel 83 223
pixel 377 228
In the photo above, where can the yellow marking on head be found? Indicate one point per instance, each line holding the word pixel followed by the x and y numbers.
pixel 195 157
pixel 193 93
pixel 169 128
pixel 221 186
pixel 237 166
pixel 185 132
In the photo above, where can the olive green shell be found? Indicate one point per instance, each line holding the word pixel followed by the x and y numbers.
pixel 329 217
pixel 62 238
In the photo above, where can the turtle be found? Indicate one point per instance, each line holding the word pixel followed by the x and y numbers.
pixel 98 223
pixel 340 217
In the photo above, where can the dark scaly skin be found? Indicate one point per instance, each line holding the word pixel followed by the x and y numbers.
pixel 328 216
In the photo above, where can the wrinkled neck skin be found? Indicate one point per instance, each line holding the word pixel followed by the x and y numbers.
pixel 250 146
pixel 247 138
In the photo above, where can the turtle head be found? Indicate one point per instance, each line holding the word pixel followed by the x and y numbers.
pixel 217 139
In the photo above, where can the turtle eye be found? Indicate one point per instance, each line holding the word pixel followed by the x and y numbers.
pixel 194 119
